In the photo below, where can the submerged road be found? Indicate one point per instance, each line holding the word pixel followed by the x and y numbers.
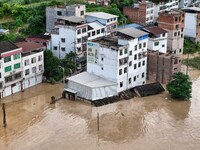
pixel 150 123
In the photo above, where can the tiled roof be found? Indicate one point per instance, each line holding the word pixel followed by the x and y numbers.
pixel 155 30
pixel 40 36
pixel 6 46
pixel 29 46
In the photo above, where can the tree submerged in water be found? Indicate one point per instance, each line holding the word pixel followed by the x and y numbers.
pixel 180 87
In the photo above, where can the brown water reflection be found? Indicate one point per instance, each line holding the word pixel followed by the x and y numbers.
pixel 149 123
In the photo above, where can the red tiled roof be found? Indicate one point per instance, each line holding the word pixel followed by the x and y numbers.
pixel 155 30
pixel 29 46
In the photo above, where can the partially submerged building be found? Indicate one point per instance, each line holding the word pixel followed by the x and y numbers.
pixel 161 67
pixel 114 64
pixel 14 76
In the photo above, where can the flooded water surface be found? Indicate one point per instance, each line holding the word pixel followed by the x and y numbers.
pixel 150 123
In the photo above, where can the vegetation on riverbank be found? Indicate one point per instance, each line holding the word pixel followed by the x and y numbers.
pixel 180 87
pixel 193 62
pixel 190 47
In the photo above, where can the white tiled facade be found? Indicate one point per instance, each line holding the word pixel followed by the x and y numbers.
pixel 13 77
pixel 125 65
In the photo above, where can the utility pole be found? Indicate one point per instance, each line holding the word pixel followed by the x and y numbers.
pixel 187 63
pixel 63 69
pixel 4 115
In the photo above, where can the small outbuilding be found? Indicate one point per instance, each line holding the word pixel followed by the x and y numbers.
pixel 149 89
pixel 90 87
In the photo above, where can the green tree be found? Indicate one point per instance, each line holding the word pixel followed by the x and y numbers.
pixel 51 63
pixel 180 87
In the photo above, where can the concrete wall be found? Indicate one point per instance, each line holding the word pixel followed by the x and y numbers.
pixel 161 67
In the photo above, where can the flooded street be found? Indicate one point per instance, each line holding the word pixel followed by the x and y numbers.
pixel 150 123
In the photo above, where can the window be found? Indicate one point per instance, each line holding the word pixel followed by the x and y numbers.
pixel 180 50
pixel 125 70
pixel 89 34
pixel 82 13
pixel 40 58
pixel 143 75
pixel 1 85
pixel 16 66
pixel 144 44
pixel 101 58
pixel 17 76
pixel 120 71
pixel 34 70
pixel 7 59
pixel 135 56
pixel 40 68
pixel 140 46
pixel 98 31
pixel 8 79
pixel 175 34
pixel 130 63
pixel 55 48
pixel 163 45
pixel 176 18
pixel 16 56
pixel 121 52
pixel 27 72
pixel 101 68
pixel 125 51
pixel 7 69
pixel 135 47
pixel 93 33
pixel 33 60
pixel 134 79
pixel 79 40
pixel 59 13
pixel 79 31
pixel 139 64
pixel 156 43
pixel 26 62
pixel 129 80
pixel 63 49
pixel 143 63
pixel 135 66
pixel 0 74
pixel 121 84
pixel 102 30
pixel 63 40
pixel 130 52
pixel 163 34
pixel 83 30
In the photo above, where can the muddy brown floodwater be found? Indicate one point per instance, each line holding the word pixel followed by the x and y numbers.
pixel 150 123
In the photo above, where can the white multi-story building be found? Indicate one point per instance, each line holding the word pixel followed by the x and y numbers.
pixel 108 20
pixel 72 33
pixel 68 35
pixel 32 62
pixel 12 78
pixel 157 39
pixel 192 23
pixel 116 63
